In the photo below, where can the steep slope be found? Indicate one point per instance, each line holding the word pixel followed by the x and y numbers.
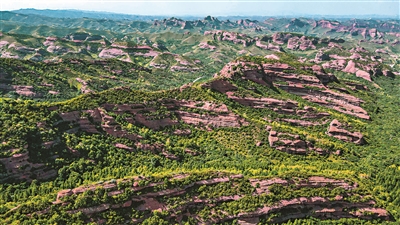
pixel 296 156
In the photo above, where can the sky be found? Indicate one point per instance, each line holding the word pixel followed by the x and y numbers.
pixel 390 8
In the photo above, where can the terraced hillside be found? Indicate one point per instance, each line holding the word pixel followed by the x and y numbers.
pixel 182 128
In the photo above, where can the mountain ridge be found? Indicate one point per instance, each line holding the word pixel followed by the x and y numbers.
pixel 200 122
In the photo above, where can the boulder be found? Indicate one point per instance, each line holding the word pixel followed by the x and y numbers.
pixel 363 74
pixel 350 68
pixel 337 130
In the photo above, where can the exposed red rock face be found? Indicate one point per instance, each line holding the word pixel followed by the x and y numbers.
pixel 318 207
pixel 184 69
pixel 363 74
pixel 328 24
pixel 204 45
pixel 263 186
pixel 272 56
pixel 359 50
pixel 112 53
pixel 260 103
pixel 336 129
pixel 84 88
pixel 311 88
pixel 158 65
pixel 57 49
pixel 302 43
pixel 83 122
pixel 335 64
pixel 50 41
pixel 356 56
pixel 350 68
pixel 236 38
pixel 224 120
pixel 92 121
pixel 295 208
pixel 291 143
pixel 18 167
pixel 280 38
pixel 155 149
pixel 4 43
pixel 287 107
pixel 122 146
pixel 268 46
pixel 21 49
pixel 21 90
pixel 372 32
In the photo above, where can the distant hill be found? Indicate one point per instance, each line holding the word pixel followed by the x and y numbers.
pixel 70 13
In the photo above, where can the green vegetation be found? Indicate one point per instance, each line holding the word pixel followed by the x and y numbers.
pixel 92 140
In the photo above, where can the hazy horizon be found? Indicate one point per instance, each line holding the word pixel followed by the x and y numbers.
pixel 385 8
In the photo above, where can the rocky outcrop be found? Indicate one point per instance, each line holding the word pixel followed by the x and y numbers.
pixel 84 85
pixel 311 88
pixel 269 46
pixel 236 38
pixel 205 45
pixel 350 68
pixel 363 74
pixel 4 43
pixel 272 56
pixel 327 24
pixel 21 49
pixel 19 167
pixel 212 115
pixel 148 195
pixel 316 207
pixel 9 55
pixel 335 64
pixel 280 38
pixel 291 143
pixel 112 53
pixel 50 41
pixel 122 146
pixel 302 43
pixel 28 91
pixel 183 69
pixel 287 107
pixel 263 186
pixel 223 120
pixel 337 130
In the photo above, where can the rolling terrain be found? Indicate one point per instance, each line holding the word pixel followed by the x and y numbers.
pixel 129 120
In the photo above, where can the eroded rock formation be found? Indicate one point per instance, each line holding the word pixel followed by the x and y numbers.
pixel 311 88
pixel 291 143
pixel 337 130
pixel 294 208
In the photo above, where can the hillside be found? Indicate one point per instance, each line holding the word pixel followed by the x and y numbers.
pixel 222 126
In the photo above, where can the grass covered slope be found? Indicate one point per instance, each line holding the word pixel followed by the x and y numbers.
pixel 242 147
